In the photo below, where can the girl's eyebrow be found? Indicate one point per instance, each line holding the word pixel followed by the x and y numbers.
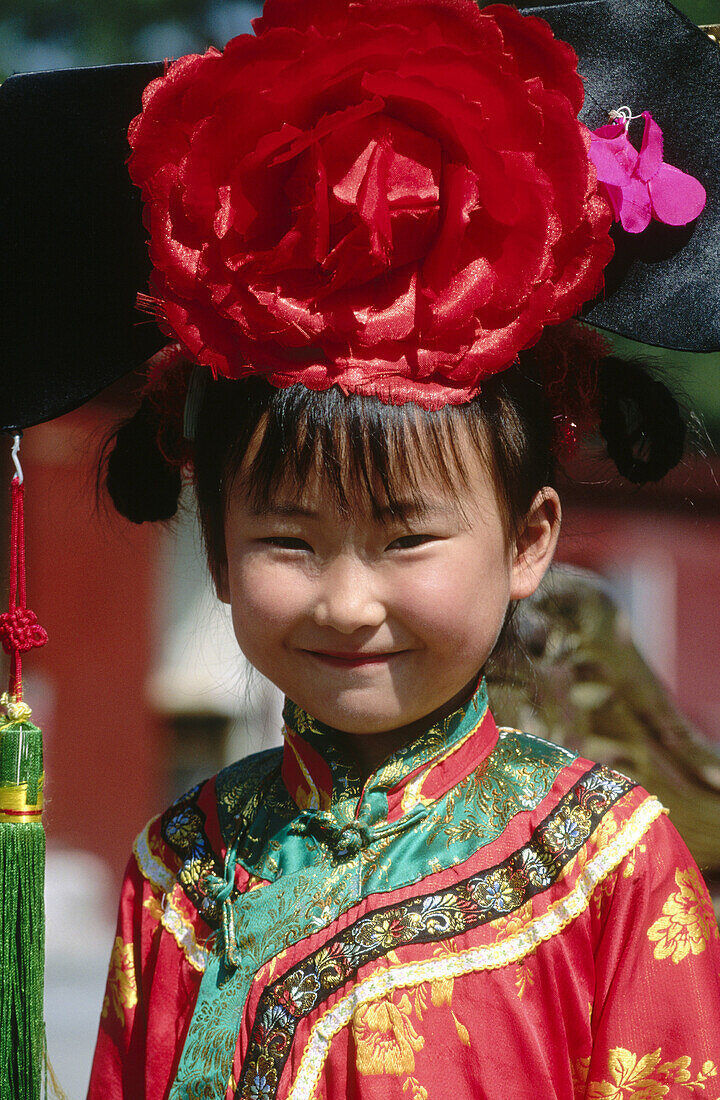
pixel 287 511
pixel 412 509
pixel 401 509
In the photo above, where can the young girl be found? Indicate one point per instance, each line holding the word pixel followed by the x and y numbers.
pixel 359 219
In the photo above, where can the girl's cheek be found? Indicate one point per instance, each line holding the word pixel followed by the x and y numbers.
pixel 432 605
pixel 461 597
pixel 267 590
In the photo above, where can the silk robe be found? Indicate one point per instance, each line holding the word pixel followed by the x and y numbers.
pixel 487 916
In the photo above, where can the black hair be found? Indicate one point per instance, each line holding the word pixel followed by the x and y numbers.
pixel 640 421
pixel 141 483
pixel 375 451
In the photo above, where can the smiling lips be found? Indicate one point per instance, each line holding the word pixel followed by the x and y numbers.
pixel 351 660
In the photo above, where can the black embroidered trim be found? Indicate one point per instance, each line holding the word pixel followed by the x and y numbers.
pixel 182 827
pixel 482 898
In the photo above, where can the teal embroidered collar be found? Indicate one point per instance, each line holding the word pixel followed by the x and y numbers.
pixel 318 775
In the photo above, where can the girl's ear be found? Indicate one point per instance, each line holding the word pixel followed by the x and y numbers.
pixel 534 548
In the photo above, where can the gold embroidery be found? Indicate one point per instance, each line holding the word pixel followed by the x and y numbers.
pixel 121 992
pixel 310 798
pixel 183 930
pixel 417 1091
pixel 629 867
pixel 412 795
pixel 687 924
pixel 384 982
pixel 601 838
pixel 150 864
pixel 273 964
pixel 440 988
pixel 162 904
pixel 154 907
pixel 385 1038
pixel 579 1071
pixel 631 1075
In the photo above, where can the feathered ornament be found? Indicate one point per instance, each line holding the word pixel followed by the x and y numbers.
pixel 22 842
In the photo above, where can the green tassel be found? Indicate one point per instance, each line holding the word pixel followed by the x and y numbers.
pixel 22 928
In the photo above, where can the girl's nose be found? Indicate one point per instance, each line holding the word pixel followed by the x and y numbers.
pixel 347 599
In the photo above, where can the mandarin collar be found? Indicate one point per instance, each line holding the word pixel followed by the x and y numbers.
pixel 319 776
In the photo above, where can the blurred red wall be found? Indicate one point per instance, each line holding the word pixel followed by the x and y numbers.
pixel 90 583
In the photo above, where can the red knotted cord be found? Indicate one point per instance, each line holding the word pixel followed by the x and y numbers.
pixel 19 627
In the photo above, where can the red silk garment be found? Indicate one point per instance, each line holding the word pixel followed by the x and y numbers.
pixel 512 920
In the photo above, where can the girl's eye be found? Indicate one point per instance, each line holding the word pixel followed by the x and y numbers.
pixel 286 542
pixel 408 542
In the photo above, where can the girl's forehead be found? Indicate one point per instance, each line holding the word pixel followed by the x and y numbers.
pixel 352 460
pixel 409 489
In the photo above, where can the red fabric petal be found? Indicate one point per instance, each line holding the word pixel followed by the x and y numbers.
pixel 535 51
pixel 394 188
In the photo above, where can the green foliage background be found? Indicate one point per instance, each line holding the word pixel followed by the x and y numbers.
pixel 48 34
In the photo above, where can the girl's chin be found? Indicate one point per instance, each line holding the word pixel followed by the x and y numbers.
pixel 362 712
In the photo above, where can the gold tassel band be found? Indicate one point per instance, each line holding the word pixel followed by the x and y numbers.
pixel 14 806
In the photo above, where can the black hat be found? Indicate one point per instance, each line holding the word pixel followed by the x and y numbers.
pixel 73 245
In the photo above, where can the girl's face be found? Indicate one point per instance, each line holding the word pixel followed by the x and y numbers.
pixel 372 624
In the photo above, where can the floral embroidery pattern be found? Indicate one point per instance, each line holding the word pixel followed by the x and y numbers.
pixel 645 1076
pixel 507 929
pixel 311 886
pixel 182 828
pixel 163 902
pixel 517 775
pixel 150 860
pixel 385 1038
pixel 687 924
pixel 384 1031
pixel 603 835
pixel 436 917
pixel 121 992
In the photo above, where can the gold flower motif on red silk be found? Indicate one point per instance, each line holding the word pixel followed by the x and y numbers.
pixel 122 987
pixel 385 1038
pixel 687 924
pixel 384 1031
pixel 645 1077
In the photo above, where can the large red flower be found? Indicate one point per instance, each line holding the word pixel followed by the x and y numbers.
pixel 392 195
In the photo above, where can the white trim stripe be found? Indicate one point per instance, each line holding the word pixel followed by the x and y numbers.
pixel 152 868
pixel 489 957
pixel 183 933
pixel 162 878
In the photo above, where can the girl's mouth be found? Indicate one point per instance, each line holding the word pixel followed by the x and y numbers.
pixel 350 660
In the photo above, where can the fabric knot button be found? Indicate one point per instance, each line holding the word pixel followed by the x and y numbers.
pixel 351 840
pixel 344 840
pixel 20 630
pixel 218 889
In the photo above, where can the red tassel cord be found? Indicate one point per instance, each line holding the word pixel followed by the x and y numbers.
pixel 19 627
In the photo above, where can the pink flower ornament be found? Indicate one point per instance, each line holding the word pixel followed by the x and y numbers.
pixel 639 185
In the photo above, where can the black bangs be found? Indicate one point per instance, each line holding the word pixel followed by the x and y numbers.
pixel 371 456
